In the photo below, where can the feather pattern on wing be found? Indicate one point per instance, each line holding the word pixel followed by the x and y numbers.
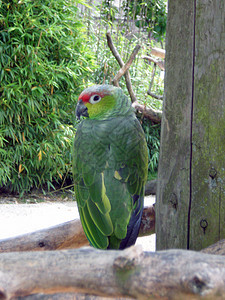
pixel 110 170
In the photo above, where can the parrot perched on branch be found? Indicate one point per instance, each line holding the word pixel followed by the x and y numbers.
pixel 110 163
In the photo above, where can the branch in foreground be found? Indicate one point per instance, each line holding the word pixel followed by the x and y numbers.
pixel 217 248
pixel 150 113
pixel 129 273
pixel 65 236
pixel 121 63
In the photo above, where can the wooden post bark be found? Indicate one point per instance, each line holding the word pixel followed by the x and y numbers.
pixel 190 206
pixel 207 210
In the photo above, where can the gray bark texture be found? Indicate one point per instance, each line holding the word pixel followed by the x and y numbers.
pixel 190 206
pixel 130 273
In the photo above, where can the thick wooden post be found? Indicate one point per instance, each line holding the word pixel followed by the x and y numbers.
pixel 190 206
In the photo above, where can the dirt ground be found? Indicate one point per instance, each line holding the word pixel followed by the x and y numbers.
pixel 36 211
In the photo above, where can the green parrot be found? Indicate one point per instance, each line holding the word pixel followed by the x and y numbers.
pixel 110 162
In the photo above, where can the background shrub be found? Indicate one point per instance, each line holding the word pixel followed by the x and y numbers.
pixel 47 56
pixel 152 135
pixel 43 67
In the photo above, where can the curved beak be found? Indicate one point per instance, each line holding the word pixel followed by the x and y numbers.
pixel 81 109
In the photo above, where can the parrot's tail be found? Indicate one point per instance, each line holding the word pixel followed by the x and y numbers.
pixel 134 224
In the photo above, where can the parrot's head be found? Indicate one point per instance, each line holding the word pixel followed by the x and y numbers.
pixel 102 101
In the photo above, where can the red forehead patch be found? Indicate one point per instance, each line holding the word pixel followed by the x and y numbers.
pixel 84 96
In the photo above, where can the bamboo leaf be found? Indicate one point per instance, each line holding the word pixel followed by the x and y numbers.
pixel 21 168
pixel 40 155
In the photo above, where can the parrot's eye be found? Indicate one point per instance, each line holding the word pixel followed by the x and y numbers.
pixel 94 99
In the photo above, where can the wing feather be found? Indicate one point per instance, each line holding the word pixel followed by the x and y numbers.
pixel 102 221
pixel 110 170
pixel 94 235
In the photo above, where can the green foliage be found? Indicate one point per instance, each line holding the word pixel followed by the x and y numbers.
pixel 47 56
pixel 140 71
pixel 149 15
pixel 43 64
pixel 108 11
pixel 152 135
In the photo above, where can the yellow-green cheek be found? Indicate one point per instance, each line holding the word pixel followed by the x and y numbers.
pixel 99 109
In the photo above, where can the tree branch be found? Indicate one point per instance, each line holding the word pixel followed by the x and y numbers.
pixel 172 274
pixel 150 113
pixel 152 79
pixel 158 62
pixel 154 95
pixel 114 50
pixel 65 236
pixel 126 66
pixel 121 63
pixel 217 248
pixel 161 53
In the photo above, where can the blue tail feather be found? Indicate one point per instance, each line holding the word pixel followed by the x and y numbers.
pixel 134 224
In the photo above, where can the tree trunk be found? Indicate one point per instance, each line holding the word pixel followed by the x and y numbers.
pixel 207 205
pixel 128 273
pixel 190 204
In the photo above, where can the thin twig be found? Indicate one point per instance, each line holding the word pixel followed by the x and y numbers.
pixel 60 189
pixel 127 65
pixel 158 97
pixel 159 62
pixel 121 63
pixel 152 79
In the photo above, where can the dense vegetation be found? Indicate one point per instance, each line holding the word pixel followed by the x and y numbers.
pixel 47 56
pixel 43 65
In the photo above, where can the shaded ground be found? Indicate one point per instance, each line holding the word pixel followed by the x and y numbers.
pixel 37 196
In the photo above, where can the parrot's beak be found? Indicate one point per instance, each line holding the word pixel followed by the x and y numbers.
pixel 81 109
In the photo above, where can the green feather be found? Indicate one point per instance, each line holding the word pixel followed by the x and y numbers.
pixel 88 174
pixel 95 236
pixel 120 230
pixel 110 162
pixel 98 194
pixel 102 221
pixel 82 194
pixel 114 242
